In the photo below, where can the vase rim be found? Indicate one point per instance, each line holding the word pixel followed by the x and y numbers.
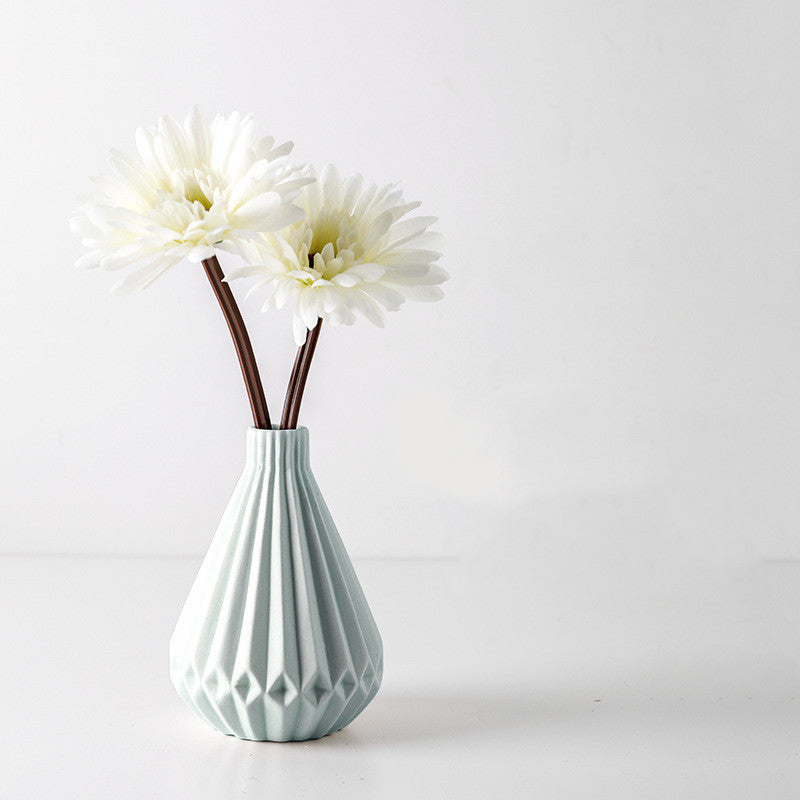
pixel 288 432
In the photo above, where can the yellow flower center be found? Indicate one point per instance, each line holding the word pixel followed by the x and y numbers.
pixel 333 227
pixel 195 185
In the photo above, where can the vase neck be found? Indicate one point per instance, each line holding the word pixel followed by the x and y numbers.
pixel 275 449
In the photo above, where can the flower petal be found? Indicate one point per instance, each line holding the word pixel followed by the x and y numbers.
pixel 299 330
pixel 422 294
pixel 367 272
pixel 200 253
pixel 390 299
pixel 198 135
pixel 141 278
pixel 253 212
pixel 90 260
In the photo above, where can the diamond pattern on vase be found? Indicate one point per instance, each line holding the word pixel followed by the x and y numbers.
pixel 247 687
pixel 347 685
pixel 283 691
pixel 276 641
pixel 317 691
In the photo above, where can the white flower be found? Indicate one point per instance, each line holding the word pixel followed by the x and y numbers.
pixel 355 252
pixel 195 187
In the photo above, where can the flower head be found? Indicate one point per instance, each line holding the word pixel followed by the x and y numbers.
pixel 194 187
pixel 356 252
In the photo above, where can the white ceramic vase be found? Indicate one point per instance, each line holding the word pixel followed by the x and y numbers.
pixel 276 641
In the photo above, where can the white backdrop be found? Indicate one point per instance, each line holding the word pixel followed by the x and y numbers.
pixel 614 366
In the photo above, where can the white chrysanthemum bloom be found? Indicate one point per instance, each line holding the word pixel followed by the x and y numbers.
pixel 195 187
pixel 354 253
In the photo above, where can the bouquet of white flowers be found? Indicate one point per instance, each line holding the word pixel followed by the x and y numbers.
pixel 336 248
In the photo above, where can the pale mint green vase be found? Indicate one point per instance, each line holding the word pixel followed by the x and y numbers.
pixel 276 641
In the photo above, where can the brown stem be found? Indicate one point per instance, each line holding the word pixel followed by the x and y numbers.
pixel 241 341
pixel 287 403
pixel 302 372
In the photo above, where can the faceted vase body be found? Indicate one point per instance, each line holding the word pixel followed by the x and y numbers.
pixel 276 641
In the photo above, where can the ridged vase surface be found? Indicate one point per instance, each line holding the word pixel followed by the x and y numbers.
pixel 276 641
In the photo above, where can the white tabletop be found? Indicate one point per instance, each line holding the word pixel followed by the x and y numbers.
pixel 596 675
